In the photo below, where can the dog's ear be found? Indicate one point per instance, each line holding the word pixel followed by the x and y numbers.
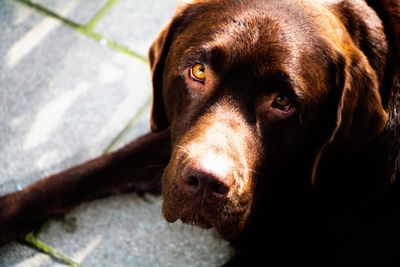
pixel 359 74
pixel 360 115
pixel 363 54
pixel 157 56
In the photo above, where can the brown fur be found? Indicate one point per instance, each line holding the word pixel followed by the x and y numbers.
pixel 315 183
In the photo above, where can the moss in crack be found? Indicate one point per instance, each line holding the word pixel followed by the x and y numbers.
pixel 31 240
pixel 127 127
pixel 99 15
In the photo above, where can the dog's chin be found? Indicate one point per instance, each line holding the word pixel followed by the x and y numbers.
pixel 198 221
pixel 226 231
pixel 195 220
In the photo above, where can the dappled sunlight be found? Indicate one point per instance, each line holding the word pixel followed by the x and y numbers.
pixel 46 158
pixel 34 37
pixel 29 41
pixel 121 71
pixel 20 15
pixel 87 250
pixel 125 109
pixel 109 73
pixel 50 116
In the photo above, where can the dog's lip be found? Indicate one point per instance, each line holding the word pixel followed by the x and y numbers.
pixel 193 219
pixel 202 221
pixel 198 221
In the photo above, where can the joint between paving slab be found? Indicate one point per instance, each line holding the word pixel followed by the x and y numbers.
pixel 43 10
pixel 100 14
pixel 86 29
pixel 127 127
pixel 31 240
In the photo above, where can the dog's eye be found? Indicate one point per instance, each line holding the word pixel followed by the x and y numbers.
pixel 198 72
pixel 282 102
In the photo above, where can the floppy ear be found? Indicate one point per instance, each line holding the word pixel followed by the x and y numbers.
pixel 360 114
pixel 157 56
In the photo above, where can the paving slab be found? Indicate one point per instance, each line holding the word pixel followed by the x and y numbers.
pixel 79 11
pixel 124 230
pixel 139 22
pixel 64 97
pixel 17 255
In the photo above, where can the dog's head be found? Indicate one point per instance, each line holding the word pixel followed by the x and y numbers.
pixel 254 91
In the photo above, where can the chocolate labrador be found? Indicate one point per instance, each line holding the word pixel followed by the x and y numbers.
pixel 274 122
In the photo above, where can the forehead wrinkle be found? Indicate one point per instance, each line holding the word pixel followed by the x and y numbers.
pixel 239 30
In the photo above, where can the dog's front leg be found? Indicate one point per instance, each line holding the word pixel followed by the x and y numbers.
pixel 136 167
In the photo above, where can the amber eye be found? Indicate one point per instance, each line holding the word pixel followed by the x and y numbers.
pixel 198 72
pixel 282 102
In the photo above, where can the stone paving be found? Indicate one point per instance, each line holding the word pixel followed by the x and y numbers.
pixel 73 78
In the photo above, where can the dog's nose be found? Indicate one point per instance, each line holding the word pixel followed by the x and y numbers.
pixel 213 184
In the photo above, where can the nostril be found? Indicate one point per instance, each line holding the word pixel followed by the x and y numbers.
pixel 200 181
pixel 218 188
pixel 192 181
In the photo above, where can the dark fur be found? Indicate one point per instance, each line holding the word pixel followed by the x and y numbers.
pixel 319 185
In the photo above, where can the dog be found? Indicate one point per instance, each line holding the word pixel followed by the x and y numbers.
pixel 274 122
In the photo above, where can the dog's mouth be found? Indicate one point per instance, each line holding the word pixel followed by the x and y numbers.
pixel 201 221
pixel 187 215
pixel 197 220
pixel 228 220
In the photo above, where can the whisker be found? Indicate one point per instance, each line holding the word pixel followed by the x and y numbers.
pixel 253 171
